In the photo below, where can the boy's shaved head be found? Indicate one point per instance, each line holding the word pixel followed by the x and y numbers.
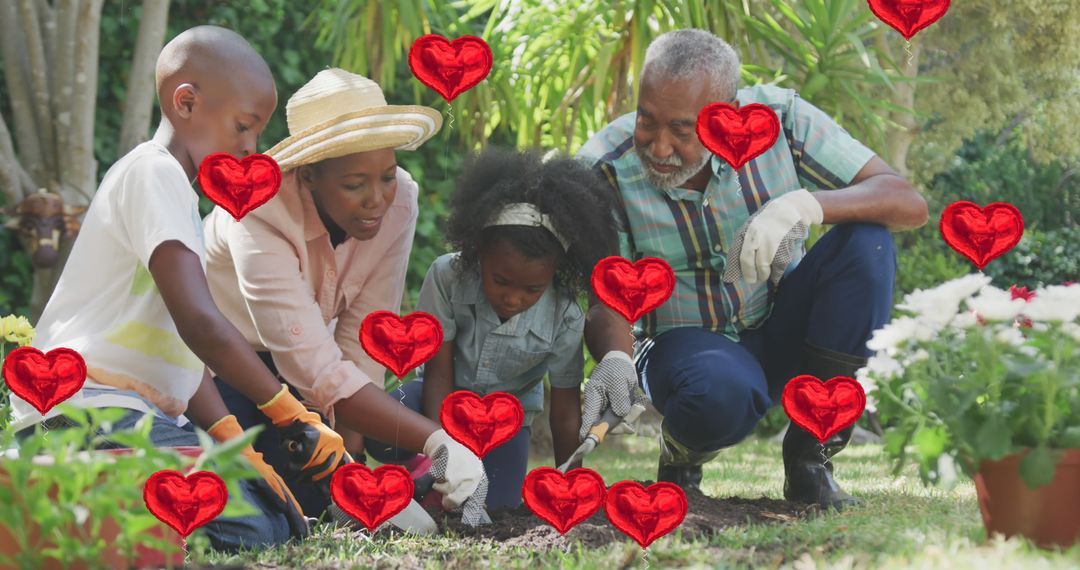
pixel 216 94
pixel 207 54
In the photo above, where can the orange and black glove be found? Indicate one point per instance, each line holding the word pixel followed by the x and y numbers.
pixel 271 486
pixel 315 450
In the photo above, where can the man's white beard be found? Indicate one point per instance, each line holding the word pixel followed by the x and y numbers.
pixel 672 179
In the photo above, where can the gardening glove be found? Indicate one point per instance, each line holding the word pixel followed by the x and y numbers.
pixel 613 384
pixel 315 450
pixel 443 467
pixel 459 473
pixel 765 244
pixel 271 486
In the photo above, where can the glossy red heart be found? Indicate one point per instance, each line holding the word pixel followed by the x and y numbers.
pixel 645 513
pixel 633 289
pixel 823 408
pixel 44 380
pixel 481 424
pixel 239 186
pixel 450 67
pixel 401 343
pixel 185 502
pixel 563 500
pixel 981 234
pixel 909 16
pixel 737 135
pixel 371 497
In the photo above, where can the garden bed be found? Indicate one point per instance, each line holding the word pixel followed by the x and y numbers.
pixel 707 516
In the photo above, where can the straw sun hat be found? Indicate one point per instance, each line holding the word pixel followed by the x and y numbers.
pixel 339 113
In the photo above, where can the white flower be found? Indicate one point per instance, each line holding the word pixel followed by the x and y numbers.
pixel 869 386
pixel 893 334
pixel 1071 329
pixel 1055 303
pixel 965 320
pixel 1010 335
pixel 937 307
pixel 883 367
pixel 993 304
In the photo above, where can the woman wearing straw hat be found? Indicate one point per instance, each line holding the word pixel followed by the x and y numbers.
pixel 299 274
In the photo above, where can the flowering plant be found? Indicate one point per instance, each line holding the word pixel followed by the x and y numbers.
pixel 15 330
pixel 974 373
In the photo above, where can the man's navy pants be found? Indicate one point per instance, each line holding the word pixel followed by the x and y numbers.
pixel 713 391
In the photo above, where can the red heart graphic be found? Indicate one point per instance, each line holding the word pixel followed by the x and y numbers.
pixel 909 16
pixel 823 408
pixel 401 343
pixel 981 235
pixel 481 424
pixel 44 380
pixel 239 186
pixel 185 503
pixel 645 514
pixel 563 500
pixel 450 68
pixel 371 497
pixel 737 135
pixel 633 290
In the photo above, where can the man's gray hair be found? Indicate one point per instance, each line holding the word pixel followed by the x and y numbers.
pixel 682 54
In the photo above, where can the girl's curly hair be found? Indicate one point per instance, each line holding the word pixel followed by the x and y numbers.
pixel 577 200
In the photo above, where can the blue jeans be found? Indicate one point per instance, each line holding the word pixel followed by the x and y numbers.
pixel 268 528
pixel 505 465
pixel 713 391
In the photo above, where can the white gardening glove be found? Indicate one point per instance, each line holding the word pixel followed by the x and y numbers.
pixel 613 384
pixel 457 471
pixel 765 244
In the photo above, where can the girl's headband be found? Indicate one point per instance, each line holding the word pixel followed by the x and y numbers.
pixel 525 214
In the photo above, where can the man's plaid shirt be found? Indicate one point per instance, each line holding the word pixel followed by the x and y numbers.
pixel 692 230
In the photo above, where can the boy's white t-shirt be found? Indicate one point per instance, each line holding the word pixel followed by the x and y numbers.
pixel 106 305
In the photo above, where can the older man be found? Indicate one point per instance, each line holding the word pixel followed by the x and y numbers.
pixel 750 310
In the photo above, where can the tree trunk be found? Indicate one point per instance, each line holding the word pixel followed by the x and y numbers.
pixel 10 185
pixel 63 69
pixel 41 94
pixel 139 98
pixel 80 187
pixel 898 142
pixel 18 89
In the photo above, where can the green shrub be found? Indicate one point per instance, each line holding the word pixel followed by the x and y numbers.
pixel 1041 258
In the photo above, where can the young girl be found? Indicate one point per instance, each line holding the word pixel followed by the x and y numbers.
pixel 528 234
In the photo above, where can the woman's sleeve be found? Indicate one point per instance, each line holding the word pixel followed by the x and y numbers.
pixel 287 318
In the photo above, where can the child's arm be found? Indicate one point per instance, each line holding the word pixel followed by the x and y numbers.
pixel 438 381
pixel 565 422
pixel 206 407
pixel 566 371
pixel 179 277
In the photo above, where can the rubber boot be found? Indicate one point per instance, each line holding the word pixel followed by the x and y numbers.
pixel 680 465
pixel 808 468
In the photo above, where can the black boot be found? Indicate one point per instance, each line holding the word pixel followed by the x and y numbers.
pixel 808 469
pixel 680 465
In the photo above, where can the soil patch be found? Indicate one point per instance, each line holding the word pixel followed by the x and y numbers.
pixel 706 516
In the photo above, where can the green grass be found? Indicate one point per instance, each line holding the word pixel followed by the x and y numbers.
pixel 902 525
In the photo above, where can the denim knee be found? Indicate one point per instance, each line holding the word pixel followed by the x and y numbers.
pixel 722 414
pixel 266 528
pixel 871 249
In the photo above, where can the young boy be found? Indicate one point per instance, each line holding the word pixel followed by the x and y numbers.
pixel 133 297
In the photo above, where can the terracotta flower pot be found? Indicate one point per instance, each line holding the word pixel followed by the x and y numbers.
pixel 145 557
pixel 1048 515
